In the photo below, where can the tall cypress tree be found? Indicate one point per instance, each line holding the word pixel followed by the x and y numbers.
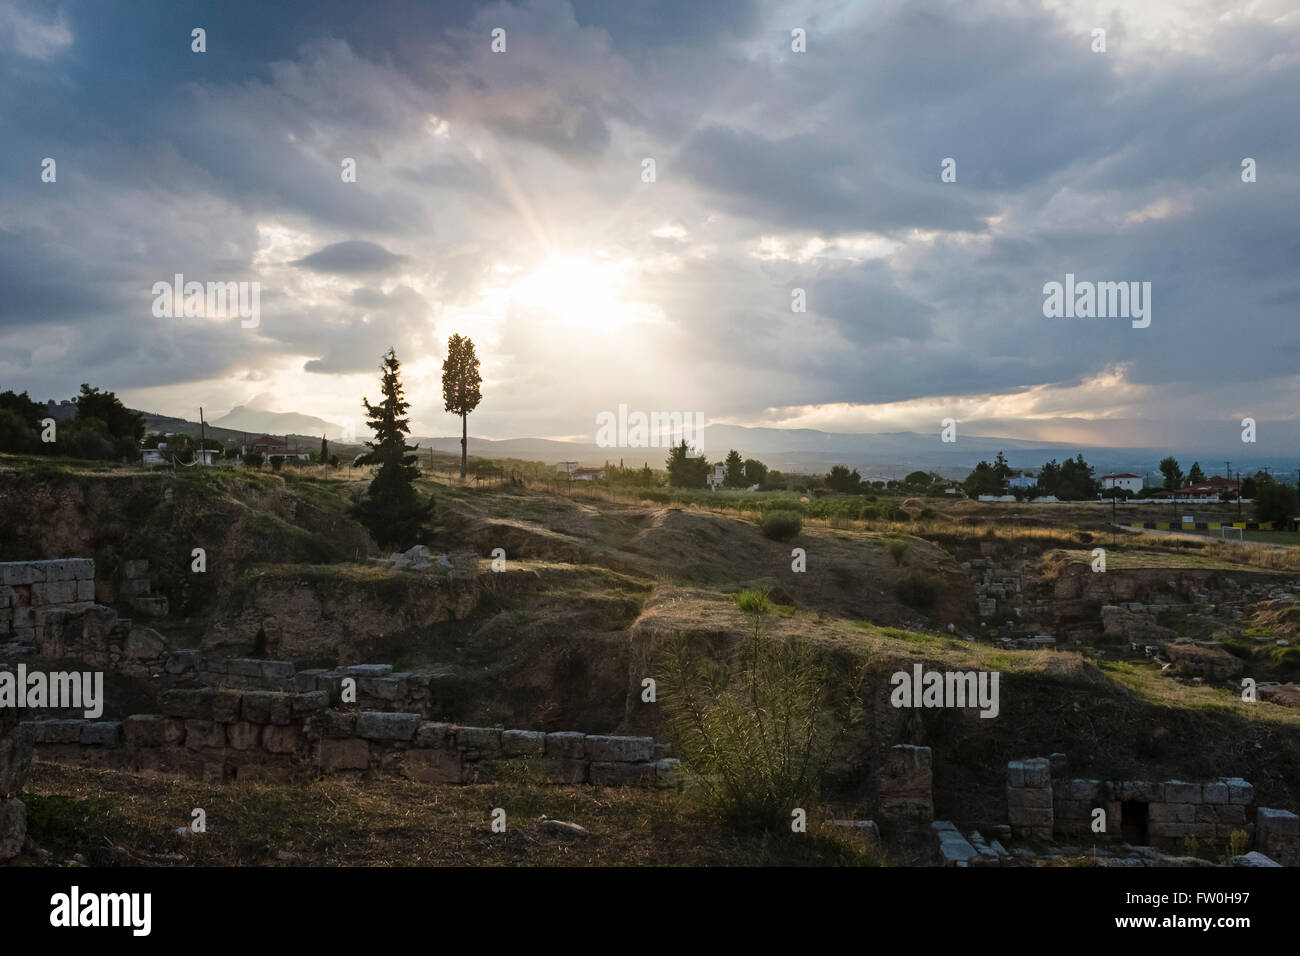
pixel 460 388
pixel 393 511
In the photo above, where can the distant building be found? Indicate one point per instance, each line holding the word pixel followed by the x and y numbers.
pixel 1022 479
pixel 717 476
pixel 271 448
pixel 587 474
pixel 1124 480
pixel 153 456
pixel 1207 491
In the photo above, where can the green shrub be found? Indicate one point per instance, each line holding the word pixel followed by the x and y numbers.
pixel 782 525
pixel 753 601
pixel 918 591
pixel 757 736
pixel 897 548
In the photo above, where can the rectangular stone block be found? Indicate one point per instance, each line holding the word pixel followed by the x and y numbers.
pixel 432 765
pixel 255 706
pixel 1214 792
pixel 435 734
pixel 486 740
pixel 101 733
pixel 620 749
pixel 195 704
pixel 340 724
pixel 204 735
pixel 368 670
pixel 278 669
pixel 173 731
pixel 566 744
pixel 1038 772
pixel 244 667
pixel 621 774
pixel 1029 797
pixel 1171 813
pixel 178 662
pixel 227 706
pixel 379 725
pixel 81 569
pixel 85 590
pixel 58 592
pixel 6 596
pixel 1239 791
pixel 349 754
pixel 243 736
pixel 1177 791
pixel 669 773
pixel 515 743
pixel 1273 824
pixel 310 702
pixel 15 573
pixel 1085 789
pixel 391 687
pixel 59 731
pixel 305 681
pixel 278 739
pixel 565 770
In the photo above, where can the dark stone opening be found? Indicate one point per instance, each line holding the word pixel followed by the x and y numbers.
pixel 1133 822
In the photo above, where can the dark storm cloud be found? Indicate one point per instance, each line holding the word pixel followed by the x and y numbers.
pixel 352 257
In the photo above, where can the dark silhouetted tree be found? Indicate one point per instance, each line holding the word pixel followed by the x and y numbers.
pixel 461 390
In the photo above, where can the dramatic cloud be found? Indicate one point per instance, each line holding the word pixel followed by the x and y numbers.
pixel 507 196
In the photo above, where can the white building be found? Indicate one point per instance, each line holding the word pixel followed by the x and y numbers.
pixel 1022 480
pixel 716 477
pixel 1124 481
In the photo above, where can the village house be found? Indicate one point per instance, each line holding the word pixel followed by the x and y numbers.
pixel 716 477
pixel 271 448
pixel 588 474
pixel 1124 480
pixel 1216 489
pixel 1022 479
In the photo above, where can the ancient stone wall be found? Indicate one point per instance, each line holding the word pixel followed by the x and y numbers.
pixel 906 785
pixel 29 590
pixel 221 734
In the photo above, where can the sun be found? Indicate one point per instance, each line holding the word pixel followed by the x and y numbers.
pixel 590 293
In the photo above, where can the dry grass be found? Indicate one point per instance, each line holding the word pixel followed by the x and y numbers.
pixel 119 819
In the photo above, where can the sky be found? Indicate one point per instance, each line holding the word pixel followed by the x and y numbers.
pixel 504 196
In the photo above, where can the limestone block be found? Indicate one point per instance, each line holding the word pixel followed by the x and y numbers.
pixel 351 753
pixel 281 739
pixel 617 773
pixel 432 765
pixel 566 744
pixel 486 740
pixel 101 733
pixel 378 725
pixel 565 770
pixel 515 743
pixel 13 828
pixel 204 734
pixel 435 734
pixel 243 735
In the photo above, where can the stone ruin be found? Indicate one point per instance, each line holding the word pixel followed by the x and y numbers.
pixel 1146 822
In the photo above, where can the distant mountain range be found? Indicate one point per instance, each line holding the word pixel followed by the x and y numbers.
pixel 795 450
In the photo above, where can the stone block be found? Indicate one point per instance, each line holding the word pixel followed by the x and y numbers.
pixel 101 733
pixel 566 744
pixel 1084 789
pixel 1214 793
pixel 435 734
pixel 305 681
pixel 432 765
pixel 1253 858
pixel 278 739
pixel 178 662
pixel 204 735
pixel 13 828
pixel 58 592
pixel 379 725
pixel 310 702
pixel 281 708
pixel 189 704
pixel 485 740
pixel 1038 772
pixel 243 735
pixel 565 770
pixel 1239 791
pixel 1273 824
pixel 16 757
pixel 1037 798
pixel 81 569
pixel 348 754
pixel 1171 813
pixel 144 644
pixel 227 706
pixel 1177 791
pixel 244 667
pixel 6 596
pixel 388 688
pixel 618 773
pixel 620 749
pixel 1015 773
pixel 58 731
pixel 173 730
pixel 18 573
pixel 516 743
pixel 280 670
pixel 339 724
pixel 368 670
pixel 85 590
pixel 255 706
